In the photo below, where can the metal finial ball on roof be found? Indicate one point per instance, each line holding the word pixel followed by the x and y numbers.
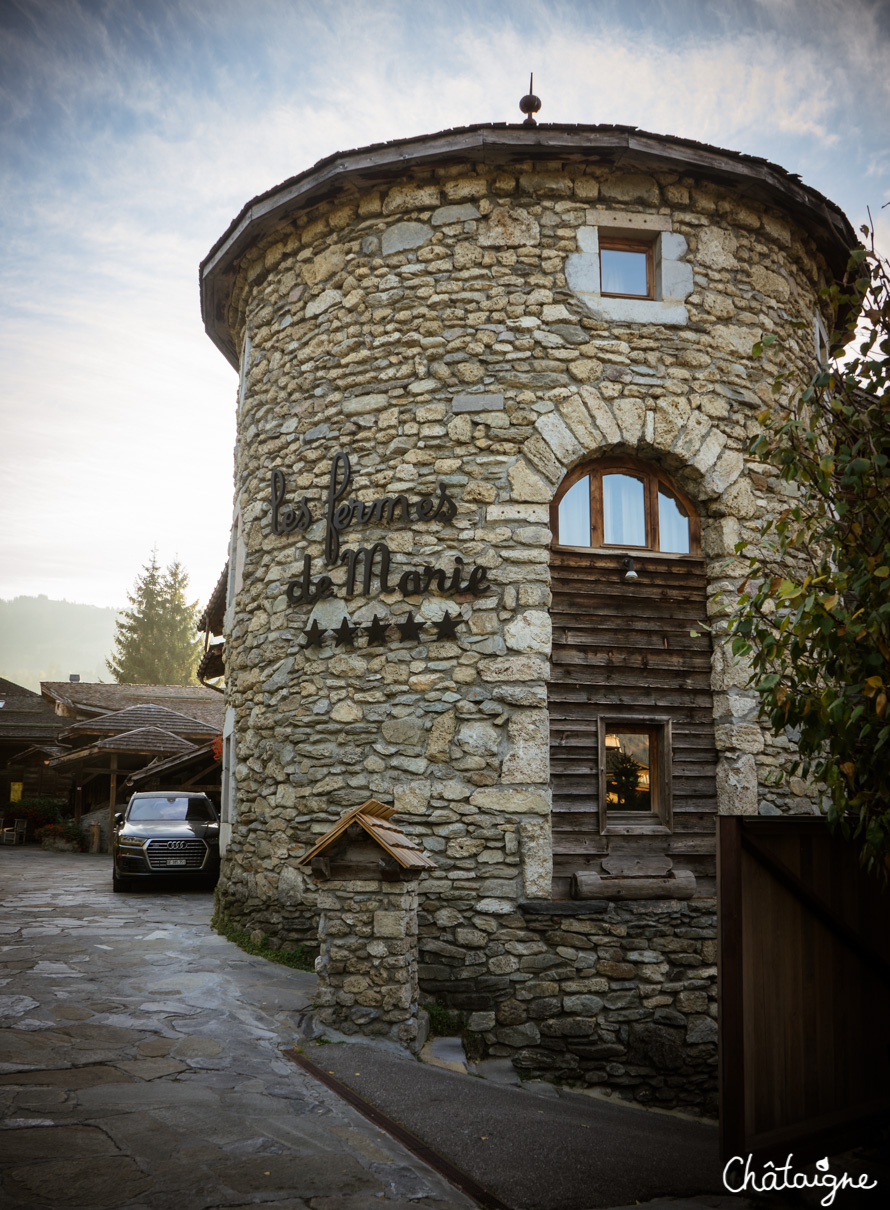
pixel 530 104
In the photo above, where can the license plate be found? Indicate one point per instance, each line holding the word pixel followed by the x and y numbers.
pixel 176 861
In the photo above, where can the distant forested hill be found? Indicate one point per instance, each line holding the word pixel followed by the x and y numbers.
pixel 44 640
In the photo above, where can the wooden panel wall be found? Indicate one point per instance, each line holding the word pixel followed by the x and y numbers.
pixel 804 990
pixel 625 648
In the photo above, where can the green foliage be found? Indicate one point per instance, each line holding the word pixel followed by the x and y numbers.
pixel 155 638
pixel 299 957
pixel 445 1022
pixel 68 830
pixel 813 616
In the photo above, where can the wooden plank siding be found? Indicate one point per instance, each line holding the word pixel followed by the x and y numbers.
pixel 805 990
pixel 625 648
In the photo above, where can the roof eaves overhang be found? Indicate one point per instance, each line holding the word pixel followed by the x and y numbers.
pixel 368 166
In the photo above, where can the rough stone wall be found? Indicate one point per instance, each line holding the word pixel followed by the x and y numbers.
pixel 367 967
pixel 616 995
pixel 430 330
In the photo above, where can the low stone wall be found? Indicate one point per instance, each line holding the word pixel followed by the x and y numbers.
pixel 287 913
pixel 99 816
pixel 367 967
pixel 617 995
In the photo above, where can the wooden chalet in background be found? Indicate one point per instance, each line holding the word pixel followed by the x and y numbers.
pixel 28 730
pixel 94 744
pixel 165 733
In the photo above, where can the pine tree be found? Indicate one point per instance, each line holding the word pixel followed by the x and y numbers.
pixel 155 639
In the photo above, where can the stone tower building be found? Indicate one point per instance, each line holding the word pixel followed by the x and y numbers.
pixel 496 393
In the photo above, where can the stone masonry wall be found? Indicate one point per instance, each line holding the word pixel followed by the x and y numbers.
pixel 617 995
pixel 367 967
pixel 432 330
pixel 429 329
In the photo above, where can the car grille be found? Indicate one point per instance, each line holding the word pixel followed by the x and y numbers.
pixel 169 854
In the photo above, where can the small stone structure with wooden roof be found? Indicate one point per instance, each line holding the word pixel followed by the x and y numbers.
pixel 367 930
pixel 350 848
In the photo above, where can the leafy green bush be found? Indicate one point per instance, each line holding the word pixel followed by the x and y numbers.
pixel 813 617
pixel 445 1022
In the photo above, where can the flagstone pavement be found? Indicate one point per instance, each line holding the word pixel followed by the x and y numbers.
pixel 140 1064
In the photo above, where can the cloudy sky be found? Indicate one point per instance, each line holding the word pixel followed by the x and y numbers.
pixel 132 132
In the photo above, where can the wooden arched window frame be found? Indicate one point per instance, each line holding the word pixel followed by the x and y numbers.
pixel 653 479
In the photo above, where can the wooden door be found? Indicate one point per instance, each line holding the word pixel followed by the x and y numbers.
pixel 804 990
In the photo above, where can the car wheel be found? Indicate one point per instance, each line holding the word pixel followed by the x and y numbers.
pixel 119 885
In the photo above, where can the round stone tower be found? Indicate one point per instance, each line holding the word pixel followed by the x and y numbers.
pixel 438 340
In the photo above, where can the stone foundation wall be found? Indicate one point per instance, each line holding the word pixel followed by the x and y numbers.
pixel 621 996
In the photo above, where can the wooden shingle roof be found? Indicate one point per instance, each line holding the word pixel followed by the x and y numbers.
pixel 86 698
pixel 133 717
pixel 144 741
pixel 374 817
pixel 24 716
pixel 212 617
pixel 179 760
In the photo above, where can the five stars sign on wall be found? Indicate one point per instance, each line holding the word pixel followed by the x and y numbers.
pixel 380 629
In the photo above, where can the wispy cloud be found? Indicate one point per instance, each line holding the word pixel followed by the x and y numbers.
pixel 133 133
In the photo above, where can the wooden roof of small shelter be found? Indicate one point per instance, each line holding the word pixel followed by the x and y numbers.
pixel 144 741
pixel 374 817
pixel 134 717
pixel 170 764
pixel 45 752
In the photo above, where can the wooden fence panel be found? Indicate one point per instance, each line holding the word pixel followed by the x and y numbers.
pixel 804 989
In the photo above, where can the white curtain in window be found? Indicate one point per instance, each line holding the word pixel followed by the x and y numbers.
pixel 624 511
pixel 574 515
pixel 673 525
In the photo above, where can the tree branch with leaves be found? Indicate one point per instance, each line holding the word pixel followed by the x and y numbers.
pixel 813 616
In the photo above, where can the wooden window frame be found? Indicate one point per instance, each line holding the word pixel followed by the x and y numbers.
pixel 653 478
pixel 609 243
pixel 660 821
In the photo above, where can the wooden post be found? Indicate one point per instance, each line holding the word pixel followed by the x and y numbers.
pixel 78 803
pixel 112 796
pixel 730 1019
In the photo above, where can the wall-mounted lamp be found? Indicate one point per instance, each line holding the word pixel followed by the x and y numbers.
pixel 630 571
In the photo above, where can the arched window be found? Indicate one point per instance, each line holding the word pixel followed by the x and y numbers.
pixel 624 503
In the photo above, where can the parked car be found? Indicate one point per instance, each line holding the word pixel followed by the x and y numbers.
pixel 165 833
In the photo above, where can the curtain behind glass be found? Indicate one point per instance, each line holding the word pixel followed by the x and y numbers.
pixel 624 511
pixel 574 515
pixel 673 525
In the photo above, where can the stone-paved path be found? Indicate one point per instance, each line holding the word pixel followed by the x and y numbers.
pixel 139 1063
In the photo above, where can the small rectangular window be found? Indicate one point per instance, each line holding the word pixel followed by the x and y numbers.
pixel 626 268
pixel 634 775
